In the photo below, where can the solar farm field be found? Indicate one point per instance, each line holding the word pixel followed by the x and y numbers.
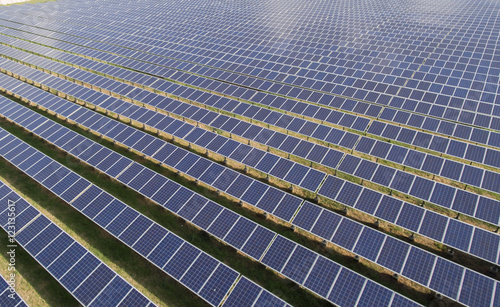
pixel 250 153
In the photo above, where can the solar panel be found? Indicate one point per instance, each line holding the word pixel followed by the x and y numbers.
pixel 407 84
pixel 81 273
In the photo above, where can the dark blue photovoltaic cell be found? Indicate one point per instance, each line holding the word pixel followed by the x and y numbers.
pixel 485 244
pixel 419 265
pixel 254 192
pixel 134 298
pixel 240 233
pixel 182 259
pixel 287 207
pixel 393 254
pixel 452 170
pixel 267 299
pixel 218 284
pixel 383 175
pixel 199 271
pixel 421 188
pixel 473 284
pixel 267 163
pixel 94 283
pixel 244 294
pixel 369 244
pixel 410 217
pixel 366 169
pixel 239 186
pixel 223 223
pixel 22 219
pixel 446 278
pixel 54 249
pixel 278 253
pixel 443 195
pixel 99 203
pixel 26 234
pixel 258 242
pixel 299 264
pixel 192 207
pixel 458 235
pixel 211 173
pixel 349 164
pixel 40 241
pixel 347 288
pixel 388 209
pixel 414 159
pixel 165 249
pixel 326 225
pixel 113 293
pixel 488 210
pixel 109 213
pixel 347 234
pixel 296 174
pixel 402 181
pixel 133 232
pixel 465 202
pixel 306 216
pixel 62 264
pixel 401 301
pixel 122 221
pixel 322 276
pixel 349 194
pixel 375 295
pixel 433 225
pixel 150 239
pixel 225 179
pixel 331 159
pixel 368 201
pixel 331 187
pixel 80 271
pixel 207 215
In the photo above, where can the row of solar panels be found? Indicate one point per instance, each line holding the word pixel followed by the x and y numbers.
pixel 415 90
pixel 431 124
pixel 329 60
pixel 207 277
pixel 355 237
pixel 81 273
pixel 318 274
pixel 423 188
pixel 384 207
pixel 466 202
pixel 423 139
pixel 413 158
pixel 7 297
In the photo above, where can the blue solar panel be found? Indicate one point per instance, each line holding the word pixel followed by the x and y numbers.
pixel 244 294
pixel 388 208
pixel 347 288
pixel 446 278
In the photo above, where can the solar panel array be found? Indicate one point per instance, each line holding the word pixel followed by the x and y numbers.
pixel 245 235
pixel 346 101
pixel 195 269
pixel 80 272
pixel 450 169
pixel 13 300
pixel 467 203
pixel 444 229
